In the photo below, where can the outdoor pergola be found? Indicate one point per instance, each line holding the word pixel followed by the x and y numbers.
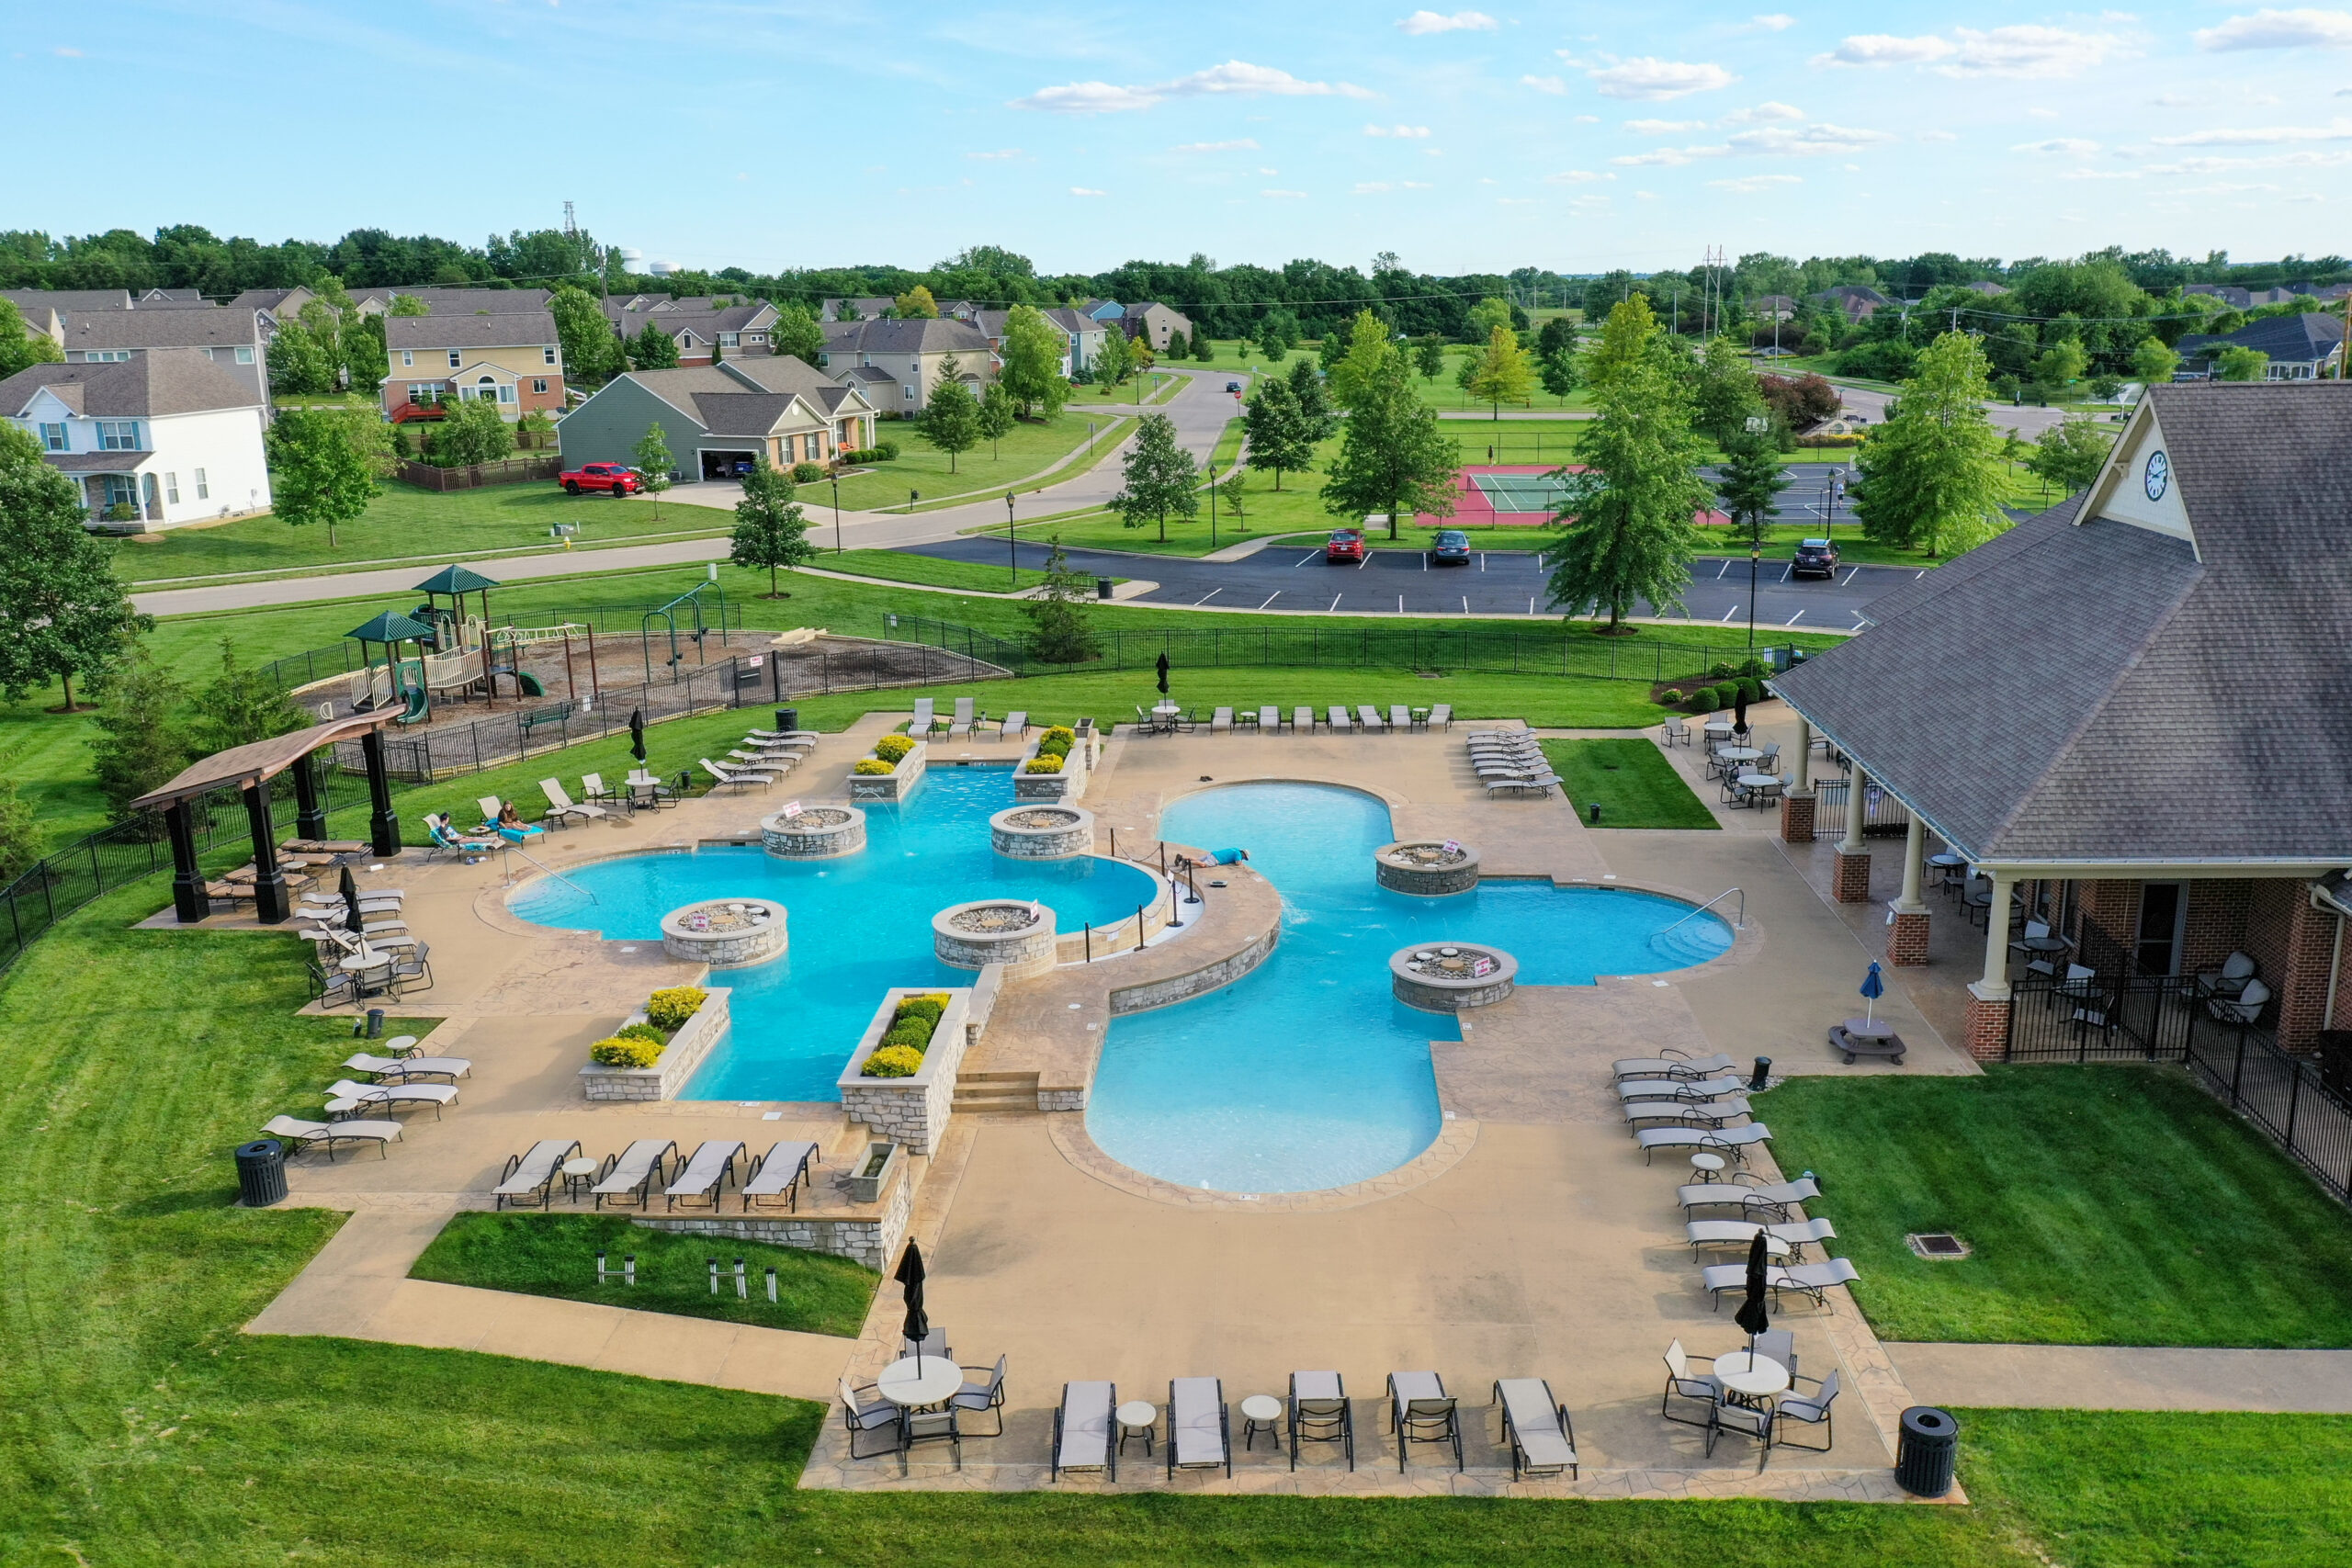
pixel 250 768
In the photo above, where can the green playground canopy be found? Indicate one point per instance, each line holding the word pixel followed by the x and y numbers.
pixel 454 580
pixel 389 627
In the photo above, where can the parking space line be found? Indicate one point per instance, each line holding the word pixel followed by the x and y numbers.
pixel 1785 570
pixel 1209 596
pixel 1853 574
pixel 1723 569
pixel 1304 559
pixel 1335 603
pixel 1730 612
pixel 1271 597
pixel 1793 620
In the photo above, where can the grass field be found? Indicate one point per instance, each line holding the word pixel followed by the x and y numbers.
pixel 1634 784
pixel 555 1255
pixel 2108 1205
pixel 1032 446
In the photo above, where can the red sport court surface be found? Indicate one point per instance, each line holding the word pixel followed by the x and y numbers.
pixel 1512 495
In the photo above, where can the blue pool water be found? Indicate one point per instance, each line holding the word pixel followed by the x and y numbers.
pixel 858 925
pixel 1308 1072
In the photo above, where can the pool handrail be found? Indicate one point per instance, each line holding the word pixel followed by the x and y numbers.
pixel 1738 924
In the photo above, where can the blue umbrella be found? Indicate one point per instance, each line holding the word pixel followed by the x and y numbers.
pixel 1872 988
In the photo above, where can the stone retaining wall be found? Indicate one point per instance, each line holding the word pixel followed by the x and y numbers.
pixel 871 1240
pixel 1024 952
pixel 1067 784
pixel 910 1111
pixel 732 949
pixel 795 838
pixel 899 784
pixel 1425 881
pixel 686 1052
pixel 1179 988
pixel 1059 841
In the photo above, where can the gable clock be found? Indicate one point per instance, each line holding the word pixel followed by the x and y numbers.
pixel 2156 476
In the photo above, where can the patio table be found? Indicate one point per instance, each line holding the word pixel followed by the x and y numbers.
pixel 1262 1413
pixel 1717 728
pixel 913 1384
pixel 1420 718
pixel 1749 1378
pixel 1738 753
pixel 1138 1418
pixel 577 1173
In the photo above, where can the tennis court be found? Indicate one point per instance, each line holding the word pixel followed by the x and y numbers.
pixel 1520 493
pixel 1514 495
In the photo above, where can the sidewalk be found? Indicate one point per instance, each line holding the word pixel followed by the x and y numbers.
pixel 2105 1377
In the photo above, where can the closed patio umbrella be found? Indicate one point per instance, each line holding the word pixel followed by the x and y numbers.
pixel 918 1324
pixel 1162 665
pixel 1872 988
pixel 351 918
pixel 1753 1315
pixel 1739 710
pixel 636 733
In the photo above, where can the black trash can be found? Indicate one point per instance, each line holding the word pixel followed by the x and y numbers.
pixel 787 719
pixel 261 1173
pixel 1927 1453
pixel 1763 1075
pixel 1102 586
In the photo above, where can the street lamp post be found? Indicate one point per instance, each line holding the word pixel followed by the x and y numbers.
pixel 1754 558
pixel 1211 472
pixel 837 515
pixel 1012 547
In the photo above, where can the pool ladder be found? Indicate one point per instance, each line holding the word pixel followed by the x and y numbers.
pixel 518 850
pixel 1738 924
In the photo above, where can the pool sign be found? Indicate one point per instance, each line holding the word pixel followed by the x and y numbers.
pixel 791 809
pixel 2157 475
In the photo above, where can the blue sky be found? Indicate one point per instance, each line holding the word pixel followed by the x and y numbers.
pixel 771 133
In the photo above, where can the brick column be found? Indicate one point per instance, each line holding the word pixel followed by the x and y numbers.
pixel 1907 945
pixel 1851 882
pixel 1989 1000
pixel 1987 1025
pixel 1796 817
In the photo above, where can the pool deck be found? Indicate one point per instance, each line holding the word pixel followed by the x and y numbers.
pixel 1530 1240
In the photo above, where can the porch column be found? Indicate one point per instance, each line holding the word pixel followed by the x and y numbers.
pixel 1851 880
pixel 1798 802
pixel 270 906
pixel 1906 945
pixel 1989 1000
pixel 383 827
pixel 310 808
pixel 189 902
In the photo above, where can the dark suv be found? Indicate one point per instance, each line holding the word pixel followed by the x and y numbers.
pixel 1814 558
pixel 1451 547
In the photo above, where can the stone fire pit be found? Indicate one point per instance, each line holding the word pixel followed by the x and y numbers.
pixel 725 933
pixel 1428 867
pixel 1039 831
pixel 1451 977
pixel 817 832
pixel 995 931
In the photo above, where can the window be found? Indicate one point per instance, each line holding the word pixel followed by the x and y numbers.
pixel 910 394
pixel 245 355
pixel 457 360
pixel 427 393
pixel 52 438
pixel 107 356
pixel 539 386
pixel 408 356
pixel 506 393
pixel 171 489
pixel 203 491
pixel 550 355
pixel 726 340
pixel 119 436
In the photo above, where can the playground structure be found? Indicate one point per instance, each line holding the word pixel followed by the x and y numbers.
pixel 692 601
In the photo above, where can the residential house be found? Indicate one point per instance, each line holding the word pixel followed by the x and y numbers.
pixel 2235 299
pixel 866 307
pixel 2302 348
pixel 698 325
pixel 169 434
pixel 2128 714
pixel 172 300
pixel 51 305
pixel 1773 308
pixel 718 419
pixel 513 359
pixel 1082 336
pixel 909 356
pixel 235 340
pixel 1989 290
pixel 1156 325
pixel 453 301
pixel 276 304
pixel 1859 301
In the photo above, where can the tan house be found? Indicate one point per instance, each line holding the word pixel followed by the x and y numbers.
pixel 1156 325
pixel 896 363
pixel 452 302
pixel 717 421
pixel 513 359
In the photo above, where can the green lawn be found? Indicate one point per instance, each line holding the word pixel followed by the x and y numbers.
pixel 1634 784
pixel 2107 1205
pixel 1016 461
pixel 555 1255
pixel 896 565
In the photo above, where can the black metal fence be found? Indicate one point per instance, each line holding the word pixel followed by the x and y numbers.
pixel 1883 815
pixel 343 659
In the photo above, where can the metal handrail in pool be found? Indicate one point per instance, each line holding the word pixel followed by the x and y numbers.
pixel 1741 923
pixel 518 850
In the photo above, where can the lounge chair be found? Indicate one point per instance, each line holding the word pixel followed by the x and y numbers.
pixel 1543 1439
pixel 1270 720
pixel 1770 1201
pixel 1671 1062
pixel 1814 1409
pixel 1082 1429
pixel 1420 1410
pixel 1015 726
pixel 783 739
pixel 531 1174
pixel 1199 1435
pixel 1543 784
pixel 779 1174
pixel 987 1394
pixel 1368 717
pixel 1319 1412
pixel 2236 971
pixel 561 807
pixel 879 1416
pixel 397 1068
pixel 1704 1113
pixel 705 1174
pixel 302 1134
pixel 372 900
pixel 728 776
pixel 1807 1280
pixel 632 1172
pixel 776 762
pixel 1724 1140
pixel 1741 1234
pixel 964 720
pixel 1221 722
pixel 1400 717
pixel 1441 715
pixel 443 838
pixel 1336 720
pixel 921 723
pixel 1684 1381
pixel 1302 721
pixel 1680 1088
pixel 2245 1007
pixel 392 1096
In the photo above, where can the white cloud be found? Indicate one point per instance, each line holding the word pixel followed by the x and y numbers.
pixel 2279 29
pixel 1645 195
pixel 1240 144
pixel 1410 132
pixel 1669 157
pixel 995 157
pixel 1270 172
pixel 2222 187
pixel 2029 53
pixel 2308 196
pixel 1663 127
pixel 64 54
pixel 1575 177
pixel 2101 175
pixel 1424 22
pixel 1774 23
pixel 1761 114
pixel 2259 136
pixel 2216 165
pixel 2172 101
pixel 1807 141
pixel 1658 79
pixel 1081 190
pixel 2075 144
pixel 1234 77
pixel 1551 84
pixel 1938 136
pixel 1284 195
pixel 1884 49
pixel 1514 201
pixel 1755 184
pixel 1595 119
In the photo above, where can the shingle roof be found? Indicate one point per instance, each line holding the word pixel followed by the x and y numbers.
pixel 165 381
pixel 63 300
pixel 466 301
pixel 102 330
pixel 263 298
pixel 2307 335
pixel 95 462
pixel 511 328
pixel 688 388
pixel 742 414
pixel 892 336
pixel 2100 691
pixel 170 299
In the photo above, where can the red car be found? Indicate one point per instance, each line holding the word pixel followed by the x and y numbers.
pixel 1345 543
pixel 611 478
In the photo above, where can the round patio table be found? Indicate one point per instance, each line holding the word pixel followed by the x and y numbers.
pixel 2045 944
pixel 1758 781
pixel 1717 727
pixel 1260 1412
pixel 1707 1164
pixel 913 1384
pixel 1739 753
pixel 1137 1419
pixel 1748 1377
pixel 1947 858
pixel 575 1173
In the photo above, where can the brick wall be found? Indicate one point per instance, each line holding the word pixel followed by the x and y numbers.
pixel 2215 927
pixel 2291 944
pixel 1987 1027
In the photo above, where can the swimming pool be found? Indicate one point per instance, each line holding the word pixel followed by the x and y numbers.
pixel 1306 1073
pixel 860 924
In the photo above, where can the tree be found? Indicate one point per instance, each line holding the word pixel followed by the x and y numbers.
pixel 769 529
pixel 1625 532
pixel 20 834
pixel 1930 476
pixel 995 418
pixel 951 419
pixel 1505 374
pixel 1179 346
pixel 915 305
pixel 1748 483
pixel 2238 363
pixel 243 706
pixel 323 465
pixel 652 460
pixel 2062 364
pixel 652 349
pixel 1203 349
pixel 1317 417
pixel 590 349
pixel 2069 454
pixel 1429 355
pixel 2154 361
pixel 1032 360
pixel 1486 316
pixel 1557 337
pixel 795 332
pixel 1801 401
pixel 410 305
pixel 62 612
pixel 299 362
pixel 140 744
pixel 1557 371
pixel 1276 437
pixel 1157 477
pixel 472 431
pixel 1233 488
pixel 1726 397
pixel 365 362
pixel 1116 361
pixel 1278 333
pixel 20 350
pixel 1368 350
pixel 1392 459
pixel 1059 632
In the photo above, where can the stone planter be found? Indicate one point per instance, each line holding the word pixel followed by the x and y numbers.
pixel 818 832
pixel 686 1053
pixel 899 784
pixel 1042 832
pixel 1426 867
pixel 876 1168
pixel 910 1111
pixel 1067 784
pixel 725 934
pixel 995 931
pixel 1451 978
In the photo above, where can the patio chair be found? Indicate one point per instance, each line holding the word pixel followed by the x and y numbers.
pixel 1221 722
pixel 921 723
pixel 1441 715
pixel 302 1134
pixel 1336 720
pixel 530 1175
pixel 1319 1412
pixel 442 838
pixel 561 807
pixel 1420 1410
pixel 1768 1200
pixel 964 720
pixel 942 1425
pixel 879 1416
pixel 705 1174
pixel 987 1394
pixel 1543 1439
pixel 728 776
pixel 933 1346
pixel 1683 1383
pixel 1082 1429
pixel 1671 1062
pixel 1302 721
pixel 1741 1234
pixel 1776 1344
pixel 780 1173
pixel 1200 1436
pixel 1743 1420
pixel 1674 732
pixel 2236 971
pixel 1368 717
pixel 1807 1280
pixel 1680 1088
pixel 1270 719
pixel 1704 1113
pixel 395 1068
pixel 1733 1141
pixel 592 789
pixel 331 988
pixel 489 805
pixel 1015 726
pixel 1814 1409
pixel 393 1095
pixel 1400 717
pixel 412 970
pixel 632 1172
pixel 2078 984
pixel 2243 1010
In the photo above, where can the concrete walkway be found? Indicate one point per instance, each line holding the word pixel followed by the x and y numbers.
pixel 2107 1377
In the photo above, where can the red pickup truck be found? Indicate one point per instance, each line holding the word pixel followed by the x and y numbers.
pixel 611 478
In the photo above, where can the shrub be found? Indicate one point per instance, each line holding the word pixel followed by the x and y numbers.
pixel 890 747
pixel 807 473
pixel 915 1033
pixel 1671 695
pixel 1703 699
pixel 625 1051
pixel 1726 693
pixel 868 767
pixel 893 1062
pixel 640 1031
pixel 1048 763
pixel 1753 688
pixel 886 451
pixel 669 1010
pixel 1722 670
pixel 1056 743
pixel 929 1006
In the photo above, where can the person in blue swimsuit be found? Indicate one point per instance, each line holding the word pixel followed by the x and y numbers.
pixel 1226 857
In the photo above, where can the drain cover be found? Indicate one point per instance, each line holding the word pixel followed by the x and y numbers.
pixel 1937 1246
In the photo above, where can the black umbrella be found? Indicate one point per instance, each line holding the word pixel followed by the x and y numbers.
pixel 918 1322
pixel 1739 711
pixel 1752 1314
pixel 636 733
pixel 351 920
pixel 1162 667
